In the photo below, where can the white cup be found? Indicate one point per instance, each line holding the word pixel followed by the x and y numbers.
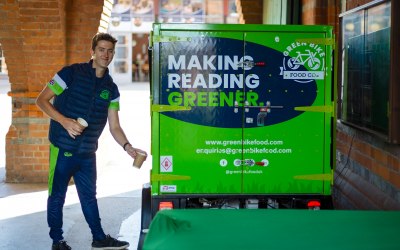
pixel 82 122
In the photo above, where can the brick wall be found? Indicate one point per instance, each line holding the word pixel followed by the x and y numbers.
pixel 368 168
pixel 324 12
pixel 250 11
pixel 82 22
pixel 367 171
pixel 351 4
pixel 31 36
pixel 38 38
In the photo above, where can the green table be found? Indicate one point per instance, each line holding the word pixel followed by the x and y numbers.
pixel 247 229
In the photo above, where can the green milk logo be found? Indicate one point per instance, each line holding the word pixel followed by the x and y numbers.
pixel 105 94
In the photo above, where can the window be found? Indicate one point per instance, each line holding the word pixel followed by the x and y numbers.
pixel 122 55
pixel 366 68
pixel 174 11
pixel 3 68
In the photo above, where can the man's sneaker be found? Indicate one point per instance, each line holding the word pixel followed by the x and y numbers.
pixel 61 245
pixel 109 243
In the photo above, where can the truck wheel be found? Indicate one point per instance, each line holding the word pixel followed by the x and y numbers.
pixel 328 203
pixel 145 214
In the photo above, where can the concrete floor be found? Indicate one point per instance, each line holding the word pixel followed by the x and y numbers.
pixel 23 222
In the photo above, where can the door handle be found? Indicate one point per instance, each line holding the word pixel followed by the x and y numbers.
pixel 246 162
pixel 250 64
pixel 267 108
pixel 250 163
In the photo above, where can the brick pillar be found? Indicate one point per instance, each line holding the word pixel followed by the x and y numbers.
pixel 38 38
pixel 250 11
pixel 320 12
pixel 32 38
pixel 84 17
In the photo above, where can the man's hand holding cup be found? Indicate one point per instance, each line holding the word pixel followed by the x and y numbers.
pixel 138 155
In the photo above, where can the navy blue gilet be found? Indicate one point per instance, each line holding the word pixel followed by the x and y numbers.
pixel 88 97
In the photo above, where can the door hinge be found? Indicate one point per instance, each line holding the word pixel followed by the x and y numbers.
pixel 163 39
pixel 321 41
pixel 315 177
pixel 169 177
pixel 165 108
pixel 324 109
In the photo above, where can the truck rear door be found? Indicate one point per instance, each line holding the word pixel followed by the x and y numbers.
pixel 286 140
pixel 241 112
pixel 200 136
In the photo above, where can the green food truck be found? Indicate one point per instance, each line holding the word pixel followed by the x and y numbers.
pixel 242 116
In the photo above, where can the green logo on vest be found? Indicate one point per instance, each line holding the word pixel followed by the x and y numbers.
pixel 105 94
pixel 67 154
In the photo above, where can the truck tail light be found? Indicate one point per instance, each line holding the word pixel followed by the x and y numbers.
pixel 314 205
pixel 165 205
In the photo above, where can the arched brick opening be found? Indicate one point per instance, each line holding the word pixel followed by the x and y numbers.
pixel 38 38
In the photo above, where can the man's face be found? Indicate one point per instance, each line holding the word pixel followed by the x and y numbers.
pixel 103 54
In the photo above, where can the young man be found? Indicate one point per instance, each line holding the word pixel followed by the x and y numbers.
pixel 87 91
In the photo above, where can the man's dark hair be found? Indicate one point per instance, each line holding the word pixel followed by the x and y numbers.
pixel 102 36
